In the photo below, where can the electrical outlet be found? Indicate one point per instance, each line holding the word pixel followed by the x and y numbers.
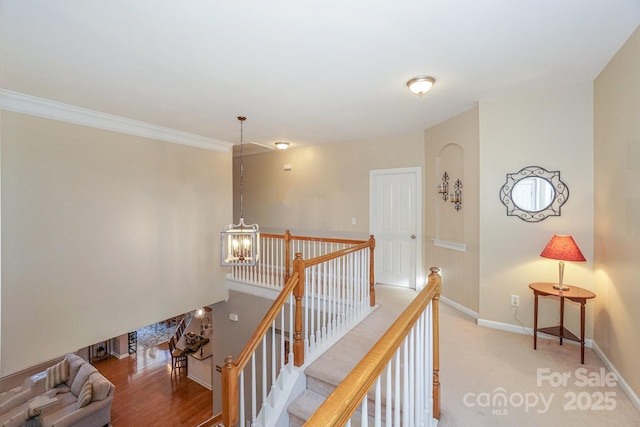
pixel 515 300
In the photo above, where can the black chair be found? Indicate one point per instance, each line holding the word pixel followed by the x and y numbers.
pixel 179 330
pixel 178 358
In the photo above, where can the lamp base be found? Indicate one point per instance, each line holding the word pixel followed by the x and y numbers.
pixel 561 287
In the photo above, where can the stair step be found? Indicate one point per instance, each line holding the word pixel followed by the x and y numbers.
pixel 304 406
pixel 320 386
pixel 326 372
pixel 307 403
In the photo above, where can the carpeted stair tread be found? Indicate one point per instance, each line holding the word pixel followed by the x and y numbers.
pixel 334 364
pixel 307 403
pixel 328 371
pixel 304 406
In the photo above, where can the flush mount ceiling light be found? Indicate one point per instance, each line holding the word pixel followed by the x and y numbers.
pixel 421 84
pixel 282 145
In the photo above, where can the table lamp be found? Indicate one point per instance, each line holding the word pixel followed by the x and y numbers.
pixel 562 248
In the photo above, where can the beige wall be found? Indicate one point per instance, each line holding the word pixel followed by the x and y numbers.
pixel 617 211
pixel 551 128
pixel 102 233
pixel 230 337
pixel 452 147
pixel 327 186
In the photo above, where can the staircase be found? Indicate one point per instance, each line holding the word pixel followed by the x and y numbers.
pixel 326 372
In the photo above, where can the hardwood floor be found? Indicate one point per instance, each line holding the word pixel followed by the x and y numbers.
pixel 149 394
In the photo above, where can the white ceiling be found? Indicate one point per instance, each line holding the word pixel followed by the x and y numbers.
pixel 308 72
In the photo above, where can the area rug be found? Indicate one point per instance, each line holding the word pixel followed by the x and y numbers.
pixel 155 334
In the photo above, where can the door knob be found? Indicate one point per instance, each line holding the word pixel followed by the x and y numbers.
pixel 413 236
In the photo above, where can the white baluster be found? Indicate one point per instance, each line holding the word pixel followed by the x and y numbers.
pixel 264 368
pixel 411 377
pixel 253 387
pixel 324 299
pixel 405 382
pixel 242 403
pixel 378 405
pixel 364 417
pixel 389 400
pixel 274 355
pixel 396 399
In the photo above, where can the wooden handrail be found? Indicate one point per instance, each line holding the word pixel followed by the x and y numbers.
pixel 266 322
pixel 344 401
pixel 288 237
pixel 337 254
pixel 294 285
pixel 232 368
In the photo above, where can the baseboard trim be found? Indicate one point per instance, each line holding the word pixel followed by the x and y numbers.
pixel 196 380
pixel 523 330
pixel 459 307
pixel 119 356
pixel 633 397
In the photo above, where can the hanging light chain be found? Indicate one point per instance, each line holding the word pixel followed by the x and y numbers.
pixel 242 119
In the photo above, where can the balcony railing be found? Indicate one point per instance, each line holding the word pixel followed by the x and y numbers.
pixel 277 251
pixel 321 298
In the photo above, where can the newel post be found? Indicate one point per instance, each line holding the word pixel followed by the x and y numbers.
pixel 229 392
pixel 436 278
pixel 287 256
pixel 372 279
pixel 298 293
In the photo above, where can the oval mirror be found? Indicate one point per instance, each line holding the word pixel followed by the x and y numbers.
pixel 532 194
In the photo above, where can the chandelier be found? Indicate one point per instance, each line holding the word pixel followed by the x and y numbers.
pixel 240 243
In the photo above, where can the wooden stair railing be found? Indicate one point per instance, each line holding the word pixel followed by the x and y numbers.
pixel 295 285
pixel 339 407
pixel 232 369
pixel 275 265
pixel 371 244
pixel 288 238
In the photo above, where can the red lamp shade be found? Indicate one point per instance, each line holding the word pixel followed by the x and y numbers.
pixel 563 248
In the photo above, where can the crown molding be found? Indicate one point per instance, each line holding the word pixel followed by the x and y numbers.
pixel 27 104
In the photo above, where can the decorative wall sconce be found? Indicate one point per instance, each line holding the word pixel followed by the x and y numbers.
pixel 444 187
pixel 456 196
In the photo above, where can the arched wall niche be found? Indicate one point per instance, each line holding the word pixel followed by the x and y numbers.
pixel 451 236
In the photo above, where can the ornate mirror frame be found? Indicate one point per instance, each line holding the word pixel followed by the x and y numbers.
pixel 560 196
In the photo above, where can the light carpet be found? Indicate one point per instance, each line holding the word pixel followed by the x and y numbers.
pixel 495 378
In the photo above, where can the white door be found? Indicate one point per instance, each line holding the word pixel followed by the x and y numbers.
pixel 395 222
